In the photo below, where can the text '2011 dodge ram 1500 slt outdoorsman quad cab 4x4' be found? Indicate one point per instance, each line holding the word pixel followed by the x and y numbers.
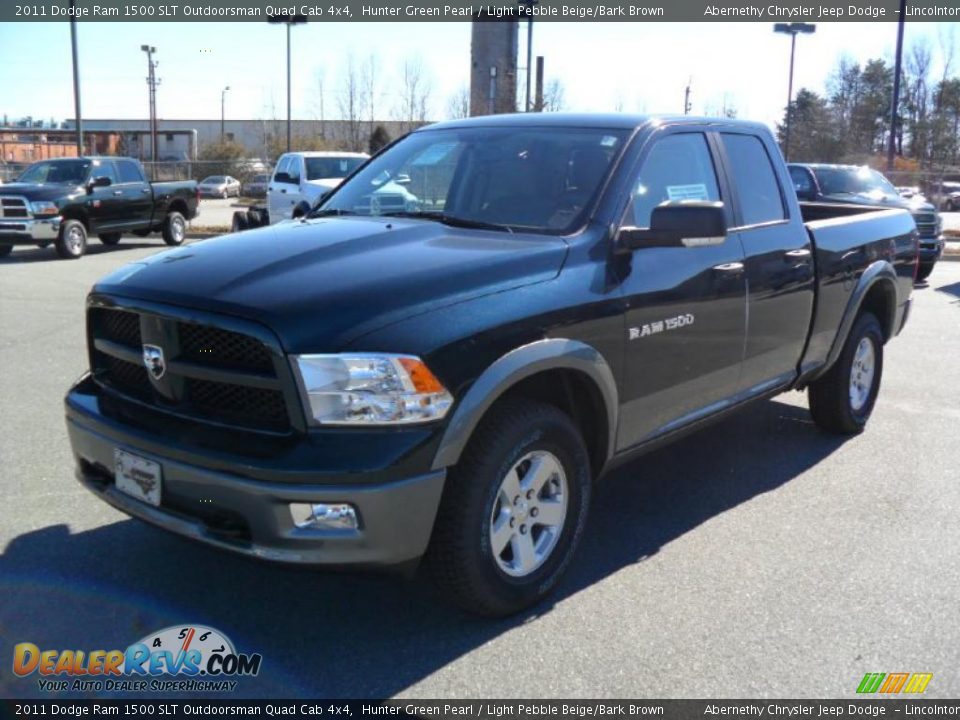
pixel 369 386
pixel 63 201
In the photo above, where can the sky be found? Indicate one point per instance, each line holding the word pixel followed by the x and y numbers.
pixel 604 66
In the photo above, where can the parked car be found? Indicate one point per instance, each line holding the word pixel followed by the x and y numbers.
pixel 62 202
pixel 221 186
pixel 256 186
pixel 371 386
pixel 300 178
pixel 862 185
pixel 946 195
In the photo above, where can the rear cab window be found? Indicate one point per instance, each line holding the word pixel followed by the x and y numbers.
pixel 755 181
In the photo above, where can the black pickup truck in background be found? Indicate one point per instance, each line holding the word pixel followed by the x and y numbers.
pixel 373 383
pixel 66 200
pixel 860 185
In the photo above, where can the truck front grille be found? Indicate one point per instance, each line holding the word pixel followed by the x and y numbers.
pixel 13 207
pixel 926 224
pixel 211 373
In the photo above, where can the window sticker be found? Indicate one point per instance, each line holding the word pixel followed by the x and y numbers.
pixel 687 192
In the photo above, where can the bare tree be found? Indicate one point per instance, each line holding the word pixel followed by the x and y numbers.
pixel 369 90
pixel 350 102
pixel 319 102
pixel 458 106
pixel 618 102
pixel 415 91
pixel 553 96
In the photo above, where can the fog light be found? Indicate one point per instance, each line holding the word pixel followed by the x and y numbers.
pixel 324 516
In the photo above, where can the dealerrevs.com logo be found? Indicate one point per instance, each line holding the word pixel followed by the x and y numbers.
pixel 201 658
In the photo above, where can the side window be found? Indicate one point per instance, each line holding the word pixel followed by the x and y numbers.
pixel 282 167
pixel 294 169
pixel 754 178
pixel 129 171
pixel 105 168
pixel 679 167
pixel 802 182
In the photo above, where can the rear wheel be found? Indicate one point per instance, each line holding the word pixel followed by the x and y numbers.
pixel 923 272
pixel 841 401
pixel 513 510
pixel 239 222
pixel 174 228
pixel 72 240
pixel 110 238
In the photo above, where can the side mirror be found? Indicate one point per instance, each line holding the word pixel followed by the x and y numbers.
pixel 99 181
pixel 804 194
pixel 282 177
pixel 682 223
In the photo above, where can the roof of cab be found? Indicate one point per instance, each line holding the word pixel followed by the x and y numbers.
pixel 619 121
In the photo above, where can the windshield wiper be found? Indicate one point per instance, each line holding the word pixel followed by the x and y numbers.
pixel 450 220
pixel 329 212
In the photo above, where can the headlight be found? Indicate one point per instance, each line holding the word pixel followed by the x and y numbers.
pixel 370 389
pixel 44 208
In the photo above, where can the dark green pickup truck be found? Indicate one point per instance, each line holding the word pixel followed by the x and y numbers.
pixel 63 201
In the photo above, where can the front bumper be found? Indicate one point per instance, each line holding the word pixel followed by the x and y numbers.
pixel 236 509
pixel 29 231
pixel 930 249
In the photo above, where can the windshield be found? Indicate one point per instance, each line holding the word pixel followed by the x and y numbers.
pixel 532 178
pixel 213 180
pixel 331 167
pixel 57 172
pixel 853 181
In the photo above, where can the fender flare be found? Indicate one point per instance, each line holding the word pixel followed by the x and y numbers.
pixel 879 273
pixel 516 365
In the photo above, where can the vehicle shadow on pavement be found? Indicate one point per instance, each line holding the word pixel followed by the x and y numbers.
pixel 953 289
pixel 363 635
pixel 35 254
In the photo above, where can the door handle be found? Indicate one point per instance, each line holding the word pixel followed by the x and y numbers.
pixel 144 190
pixel 734 268
pixel 118 192
pixel 284 191
pixel 796 254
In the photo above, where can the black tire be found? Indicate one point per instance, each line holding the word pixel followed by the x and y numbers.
pixel 829 396
pixel 951 206
pixel 174 228
pixel 110 238
pixel 240 222
pixel 299 212
pixel 923 272
pixel 460 557
pixel 142 233
pixel 72 240
pixel 5 250
pixel 258 218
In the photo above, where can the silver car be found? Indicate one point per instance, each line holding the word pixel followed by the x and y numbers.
pixel 256 186
pixel 222 186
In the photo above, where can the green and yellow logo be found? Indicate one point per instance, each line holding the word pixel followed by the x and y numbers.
pixel 894 683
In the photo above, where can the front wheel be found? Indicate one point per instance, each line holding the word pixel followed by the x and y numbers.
pixel 513 510
pixel 841 400
pixel 72 240
pixel 174 228
pixel 923 272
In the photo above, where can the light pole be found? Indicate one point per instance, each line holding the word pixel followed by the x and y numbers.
pixel 892 147
pixel 152 83
pixel 791 29
pixel 528 9
pixel 288 20
pixel 76 76
pixel 223 100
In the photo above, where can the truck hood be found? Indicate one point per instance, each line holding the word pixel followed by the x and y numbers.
pixel 320 284
pixel 40 191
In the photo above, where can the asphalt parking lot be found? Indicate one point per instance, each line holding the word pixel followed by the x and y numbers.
pixel 757 558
